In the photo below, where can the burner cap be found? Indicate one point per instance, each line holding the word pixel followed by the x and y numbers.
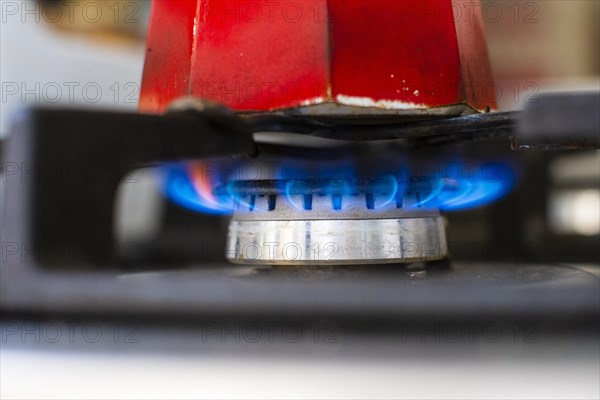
pixel 319 225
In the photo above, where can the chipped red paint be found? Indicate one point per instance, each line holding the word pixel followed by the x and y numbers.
pixel 265 55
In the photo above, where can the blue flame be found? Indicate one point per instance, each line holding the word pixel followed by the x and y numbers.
pixel 395 189
pixel 483 184
pixel 469 187
pixel 180 189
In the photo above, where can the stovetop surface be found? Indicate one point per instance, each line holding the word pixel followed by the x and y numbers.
pixel 434 290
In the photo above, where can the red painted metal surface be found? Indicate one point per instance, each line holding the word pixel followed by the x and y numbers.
pixel 168 53
pixel 260 55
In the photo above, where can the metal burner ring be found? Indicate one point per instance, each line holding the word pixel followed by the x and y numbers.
pixel 336 241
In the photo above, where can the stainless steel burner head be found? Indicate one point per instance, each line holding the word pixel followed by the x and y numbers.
pixel 323 229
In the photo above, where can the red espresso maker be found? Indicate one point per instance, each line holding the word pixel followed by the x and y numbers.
pixel 349 58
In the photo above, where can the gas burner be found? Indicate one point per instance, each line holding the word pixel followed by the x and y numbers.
pixel 321 222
